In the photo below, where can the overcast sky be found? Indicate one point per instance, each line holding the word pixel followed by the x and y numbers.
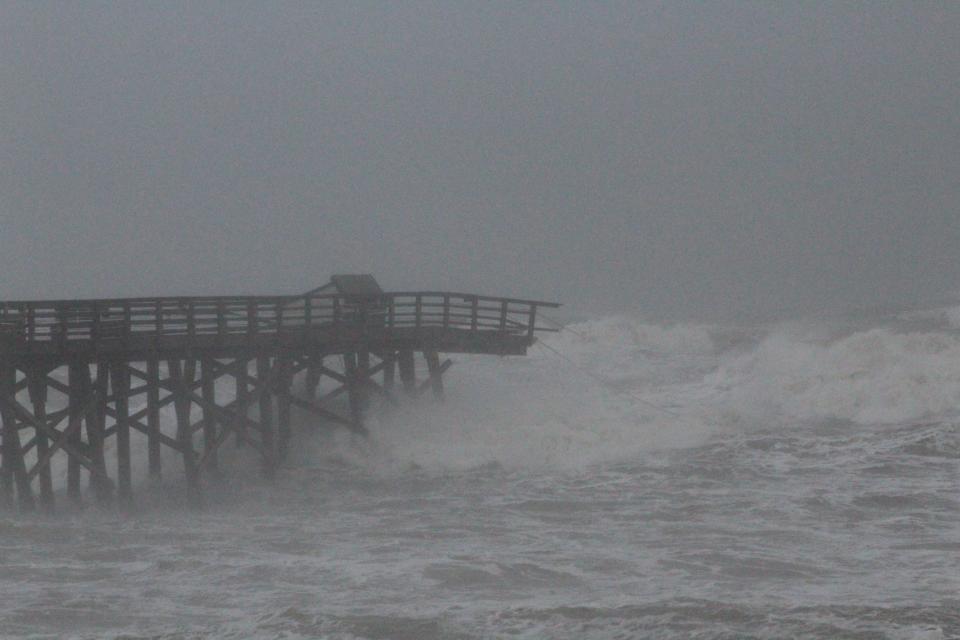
pixel 695 160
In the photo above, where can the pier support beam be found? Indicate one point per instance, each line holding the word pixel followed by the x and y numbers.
pixel 153 417
pixel 354 387
pixel 407 372
pixel 284 381
pixel 96 435
pixel 363 378
pixel 312 378
pixel 6 458
pixel 120 385
pixel 14 467
pixel 243 406
pixel 436 373
pixel 389 370
pixel 266 418
pixel 37 386
pixel 209 393
pixel 79 384
pixel 182 379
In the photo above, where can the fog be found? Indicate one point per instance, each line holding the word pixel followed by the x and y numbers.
pixel 681 160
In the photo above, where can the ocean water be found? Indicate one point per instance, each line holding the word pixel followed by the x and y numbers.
pixel 625 480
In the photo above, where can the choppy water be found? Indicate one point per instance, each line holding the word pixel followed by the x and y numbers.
pixel 809 488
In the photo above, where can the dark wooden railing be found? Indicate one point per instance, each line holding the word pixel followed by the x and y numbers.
pixel 69 321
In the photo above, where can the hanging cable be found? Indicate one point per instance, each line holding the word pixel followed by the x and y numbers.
pixel 605 383
pixel 564 327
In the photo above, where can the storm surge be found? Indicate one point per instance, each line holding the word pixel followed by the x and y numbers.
pixel 626 479
pixel 610 389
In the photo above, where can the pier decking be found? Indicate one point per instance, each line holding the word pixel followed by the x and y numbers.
pixel 97 355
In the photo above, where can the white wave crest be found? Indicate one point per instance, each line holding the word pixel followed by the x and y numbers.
pixel 588 395
pixel 875 376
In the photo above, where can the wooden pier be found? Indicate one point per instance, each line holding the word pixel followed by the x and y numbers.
pixel 69 370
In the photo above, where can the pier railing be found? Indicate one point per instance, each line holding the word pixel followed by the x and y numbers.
pixel 74 321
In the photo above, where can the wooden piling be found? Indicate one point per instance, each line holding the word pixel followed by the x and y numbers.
pixel 363 377
pixel 181 379
pixel 96 435
pixel 120 386
pixel 389 370
pixel 353 389
pixel 153 417
pixel 78 374
pixel 6 458
pixel 209 393
pixel 436 373
pixel 37 386
pixel 13 463
pixel 266 418
pixel 407 372
pixel 312 379
pixel 242 380
pixel 284 382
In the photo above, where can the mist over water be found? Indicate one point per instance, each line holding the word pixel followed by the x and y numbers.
pixel 750 430
pixel 657 481
pixel 719 161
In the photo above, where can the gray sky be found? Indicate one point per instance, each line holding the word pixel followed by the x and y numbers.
pixel 688 160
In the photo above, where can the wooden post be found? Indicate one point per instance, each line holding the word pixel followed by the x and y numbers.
pixel 96 430
pixel 284 381
pixel 13 463
pixel 389 370
pixel 6 457
pixel 242 391
pixel 266 419
pixel 153 417
pixel 353 391
pixel 363 376
pixel 78 374
pixel 37 386
pixel 312 379
pixel 181 379
pixel 209 393
pixel 407 372
pixel 6 471
pixel 120 385
pixel 436 375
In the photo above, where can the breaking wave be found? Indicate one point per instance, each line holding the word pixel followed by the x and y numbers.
pixel 616 388
pixel 876 376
